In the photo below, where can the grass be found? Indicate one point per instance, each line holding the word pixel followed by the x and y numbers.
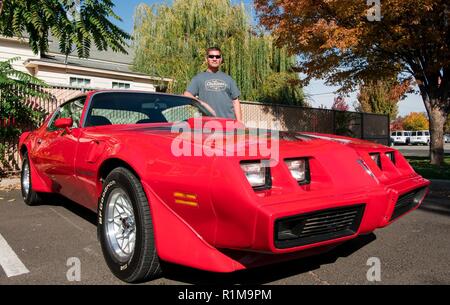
pixel 423 167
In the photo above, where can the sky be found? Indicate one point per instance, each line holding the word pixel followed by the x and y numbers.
pixel 318 93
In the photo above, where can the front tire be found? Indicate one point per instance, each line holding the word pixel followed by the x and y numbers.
pixel 125 228
pixel 29 196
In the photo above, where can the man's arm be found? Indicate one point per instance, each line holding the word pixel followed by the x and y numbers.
pixel 237 109
pixel 188 94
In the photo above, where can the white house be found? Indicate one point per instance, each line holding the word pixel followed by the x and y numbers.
pixel 102 70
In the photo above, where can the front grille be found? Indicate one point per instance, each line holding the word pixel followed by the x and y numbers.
pixel 317 226
pixel 408 201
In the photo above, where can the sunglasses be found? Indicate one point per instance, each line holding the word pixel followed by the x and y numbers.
pixel 215 56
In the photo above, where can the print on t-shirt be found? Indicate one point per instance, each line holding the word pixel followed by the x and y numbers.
pixel 215 85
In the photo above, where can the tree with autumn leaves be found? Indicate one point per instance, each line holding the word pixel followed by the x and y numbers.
pixel 415 121
pixel 345 43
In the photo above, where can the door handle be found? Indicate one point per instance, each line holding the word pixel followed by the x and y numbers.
pixel 39 141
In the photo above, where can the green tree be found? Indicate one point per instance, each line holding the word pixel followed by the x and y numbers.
pixel 171 42
pixel 76 24
pixel 381 96
pixel 415 121
pixel 15 87
pixel 281 88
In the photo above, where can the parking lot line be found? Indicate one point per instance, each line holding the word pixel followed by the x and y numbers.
pixel 9 261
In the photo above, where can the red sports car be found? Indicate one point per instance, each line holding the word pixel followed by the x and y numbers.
pixel 171 182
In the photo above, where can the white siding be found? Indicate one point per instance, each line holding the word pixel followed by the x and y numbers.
pixel 56 76
pixel 10 49
pixel 143 86
pixel 52 76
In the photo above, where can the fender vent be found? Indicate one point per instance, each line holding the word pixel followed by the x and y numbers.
pixel 317 226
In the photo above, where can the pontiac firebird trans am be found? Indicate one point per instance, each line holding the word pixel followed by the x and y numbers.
pixel 165 188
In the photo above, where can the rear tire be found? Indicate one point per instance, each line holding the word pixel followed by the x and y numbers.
pixel 125 228
pixel 29 196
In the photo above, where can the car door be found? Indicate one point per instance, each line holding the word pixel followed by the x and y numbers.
pixel 57 148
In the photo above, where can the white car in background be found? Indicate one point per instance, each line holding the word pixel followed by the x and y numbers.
pixel 420 137
pixel 400 137
pixel 447 138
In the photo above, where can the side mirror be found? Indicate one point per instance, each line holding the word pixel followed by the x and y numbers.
pixel 65 123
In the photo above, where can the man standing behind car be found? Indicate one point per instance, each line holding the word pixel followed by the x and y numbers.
pixel 216 88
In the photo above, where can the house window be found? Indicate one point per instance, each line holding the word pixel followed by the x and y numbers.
pixel 80 82
pixel 117 85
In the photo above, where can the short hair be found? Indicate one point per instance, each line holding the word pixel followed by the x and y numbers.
pixel 213 49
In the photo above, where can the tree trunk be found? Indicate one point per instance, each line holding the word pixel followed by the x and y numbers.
pixel 437 121
pixel 437 108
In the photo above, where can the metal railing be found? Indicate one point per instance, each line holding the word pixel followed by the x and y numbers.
pixel 368 126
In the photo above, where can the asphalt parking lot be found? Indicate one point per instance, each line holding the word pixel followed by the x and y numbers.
pixel 44 243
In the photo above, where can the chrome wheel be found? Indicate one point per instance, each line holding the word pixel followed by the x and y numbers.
pixel 120 226
pixel 26 179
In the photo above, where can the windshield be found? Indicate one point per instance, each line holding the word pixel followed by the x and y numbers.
pixel 112 108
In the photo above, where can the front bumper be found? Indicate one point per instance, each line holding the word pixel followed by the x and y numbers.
pixel 327 220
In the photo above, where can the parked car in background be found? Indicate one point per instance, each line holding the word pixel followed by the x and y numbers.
pixel 400 137
pixel 447 138
pixel 420 137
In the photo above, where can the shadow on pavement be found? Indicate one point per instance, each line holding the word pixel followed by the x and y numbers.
pixel 255 276
pixel 438 200
pixel 436 205
pixel 266 274
pixel 79 210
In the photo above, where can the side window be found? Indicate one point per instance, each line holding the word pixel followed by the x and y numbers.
pixel 72 109
pixel 181 113
pixel 76 109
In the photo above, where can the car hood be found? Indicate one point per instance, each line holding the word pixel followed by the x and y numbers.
pixel 236 141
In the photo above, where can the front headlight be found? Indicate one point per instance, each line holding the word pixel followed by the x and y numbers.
pixel 299 169
pixel 257 174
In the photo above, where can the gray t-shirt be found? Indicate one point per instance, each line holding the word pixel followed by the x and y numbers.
pixel 218 90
